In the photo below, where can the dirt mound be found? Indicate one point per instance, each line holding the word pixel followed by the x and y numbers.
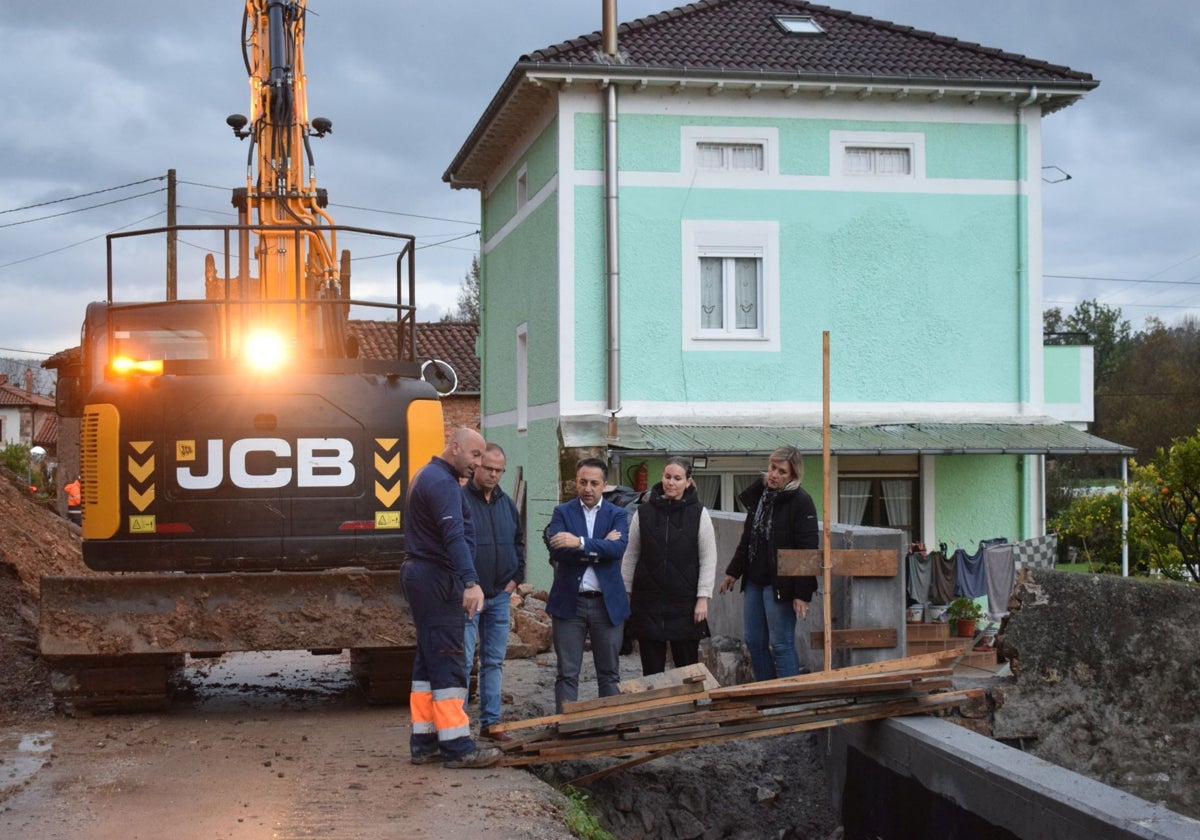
pixel 35 541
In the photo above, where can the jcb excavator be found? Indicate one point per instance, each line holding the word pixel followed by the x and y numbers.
pixel 243 466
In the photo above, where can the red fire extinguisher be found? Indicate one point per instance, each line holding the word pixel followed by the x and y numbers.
pixel 641 476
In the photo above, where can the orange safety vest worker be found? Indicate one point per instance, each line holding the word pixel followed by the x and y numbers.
pixel 74 498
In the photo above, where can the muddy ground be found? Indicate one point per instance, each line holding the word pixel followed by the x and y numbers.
pixel 283 745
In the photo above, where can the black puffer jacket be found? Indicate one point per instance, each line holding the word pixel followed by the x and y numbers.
pixel 793 525
pixel 668 568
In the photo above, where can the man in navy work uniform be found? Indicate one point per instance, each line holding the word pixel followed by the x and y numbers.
pixel 440 583
pixel 500 564
pixel 587 537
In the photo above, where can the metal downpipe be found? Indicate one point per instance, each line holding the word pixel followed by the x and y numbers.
pixel 611 252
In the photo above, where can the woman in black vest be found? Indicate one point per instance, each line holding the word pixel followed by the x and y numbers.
pixel 669 569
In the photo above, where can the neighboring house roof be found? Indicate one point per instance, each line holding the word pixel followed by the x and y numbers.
pixel 451 341
pixel 47 433
pixel 14 396
pixel 737 46
pixel 1047 437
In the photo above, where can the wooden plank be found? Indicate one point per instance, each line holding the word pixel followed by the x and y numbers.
pixel 601 703
pixel 853 715
pixel 520 741
pixel 618 717
pixel 859 638
pixel 672 676
pixel 623 702
pixel 564 751
pixel 847 562
pixel 677 731
pixel 839 685
pixel 903 663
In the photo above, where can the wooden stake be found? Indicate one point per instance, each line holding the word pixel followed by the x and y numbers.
pixel 827 564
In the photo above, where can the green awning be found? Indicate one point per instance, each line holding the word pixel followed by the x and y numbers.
pixel 889 439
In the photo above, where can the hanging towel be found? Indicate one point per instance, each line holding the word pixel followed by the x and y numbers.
pixel 920 574
pixel 945 577
pixel 1001 574
pixel 1037 553
pixel 972 580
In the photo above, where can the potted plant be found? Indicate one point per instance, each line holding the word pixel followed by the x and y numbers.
pixel 963 612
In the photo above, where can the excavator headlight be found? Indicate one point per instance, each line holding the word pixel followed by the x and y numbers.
pixel 265 351
pixel 129 366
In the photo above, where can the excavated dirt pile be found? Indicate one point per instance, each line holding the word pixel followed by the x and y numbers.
pixel 34 541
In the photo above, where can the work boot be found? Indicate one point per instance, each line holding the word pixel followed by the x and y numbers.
pixel 478 757
pixel 426 758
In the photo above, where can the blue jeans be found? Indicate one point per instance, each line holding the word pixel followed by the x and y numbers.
pixel 770 633
pixel 591 618
pixel 490 627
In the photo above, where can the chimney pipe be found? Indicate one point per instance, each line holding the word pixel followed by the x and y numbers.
pixel 29 381
pixel 609 32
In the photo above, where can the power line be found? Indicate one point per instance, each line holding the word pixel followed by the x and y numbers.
pixel 83 195
pixel 23 350
pixel 1191 281
pixel 399 213
pixel 81 209
pixel 76 244
pixel 1130 305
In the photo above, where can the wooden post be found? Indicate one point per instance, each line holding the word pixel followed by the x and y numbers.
pixel 827 558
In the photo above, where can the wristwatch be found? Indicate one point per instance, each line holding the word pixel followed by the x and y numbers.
pixel 582 543
pixel 471 583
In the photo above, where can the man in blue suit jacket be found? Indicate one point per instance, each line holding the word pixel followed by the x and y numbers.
pixel 587 538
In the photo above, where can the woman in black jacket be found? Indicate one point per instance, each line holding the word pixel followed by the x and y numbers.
pixel 669 569
pixel 779 514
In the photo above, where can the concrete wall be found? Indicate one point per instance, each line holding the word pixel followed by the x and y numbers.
pixel 919 777
pixel 1106 675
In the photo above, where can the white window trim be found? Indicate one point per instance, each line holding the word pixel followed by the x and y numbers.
pixel 692 135
pixel 911 140
pixel 522 186
pixel 702 237
pixel 522 383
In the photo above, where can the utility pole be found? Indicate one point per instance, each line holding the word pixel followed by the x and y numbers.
pixel 172 268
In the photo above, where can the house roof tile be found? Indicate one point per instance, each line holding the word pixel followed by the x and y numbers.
pixel 743 35
pixel 452 342
pixel 12 395
pixel 737 43
pixel 47 433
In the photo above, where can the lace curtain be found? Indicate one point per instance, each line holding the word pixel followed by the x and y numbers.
pixel 897 498
pixel 707 488
pixel 853 495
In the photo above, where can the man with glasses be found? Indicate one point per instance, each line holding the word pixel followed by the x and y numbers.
pixel 500 566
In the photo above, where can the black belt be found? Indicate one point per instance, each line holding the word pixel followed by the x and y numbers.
pixel 590 593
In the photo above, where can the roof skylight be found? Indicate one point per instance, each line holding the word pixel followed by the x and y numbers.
pixel 799 24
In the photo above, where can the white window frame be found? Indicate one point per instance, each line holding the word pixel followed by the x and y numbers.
pixel 703 238
pixel 691 136
pixel 841 141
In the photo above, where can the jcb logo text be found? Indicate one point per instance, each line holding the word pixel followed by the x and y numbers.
pixel 317 462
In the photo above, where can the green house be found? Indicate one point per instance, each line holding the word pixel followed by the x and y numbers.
pixel 677 212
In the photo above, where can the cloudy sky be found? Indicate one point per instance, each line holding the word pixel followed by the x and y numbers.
pixel 101 95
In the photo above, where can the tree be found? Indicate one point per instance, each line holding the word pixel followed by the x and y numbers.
pixel 468 296
pixel 1152 397
pixel 1107 332
pixel 1167 493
